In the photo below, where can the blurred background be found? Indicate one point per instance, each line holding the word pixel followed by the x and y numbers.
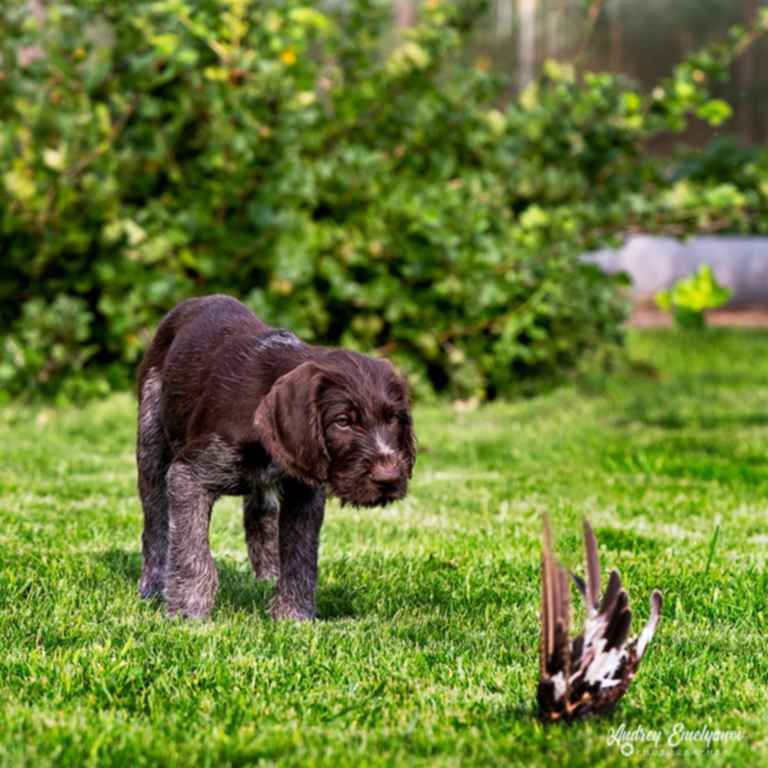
pixel 643 41
pixel 483 191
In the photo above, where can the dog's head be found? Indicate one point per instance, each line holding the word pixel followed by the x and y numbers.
pixel 345 420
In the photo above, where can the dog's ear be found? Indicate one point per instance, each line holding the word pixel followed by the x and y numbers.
pixel 408 437
pixel 400 393
pixel 409 444
pixel 288 423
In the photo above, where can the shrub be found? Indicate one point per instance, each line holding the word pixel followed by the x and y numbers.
pixel 357 187
pixel 692 296
pixel 47 347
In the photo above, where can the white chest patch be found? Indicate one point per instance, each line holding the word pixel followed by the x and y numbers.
pixel 271 497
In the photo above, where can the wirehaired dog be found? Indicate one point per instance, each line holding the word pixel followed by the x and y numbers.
pixel 230 406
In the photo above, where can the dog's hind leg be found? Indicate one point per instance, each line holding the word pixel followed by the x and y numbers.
pixel 261 519
pixel 152 458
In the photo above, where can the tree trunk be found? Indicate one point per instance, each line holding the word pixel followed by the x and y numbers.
pixel 405 13
pixel 505 14
pixel 616 52
pixel 37 7
pixel 552 28
pixel 745 77
pixel 526 10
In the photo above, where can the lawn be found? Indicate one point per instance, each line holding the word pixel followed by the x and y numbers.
pixel 426 647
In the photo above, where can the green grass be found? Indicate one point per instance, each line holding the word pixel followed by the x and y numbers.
pixel 426 649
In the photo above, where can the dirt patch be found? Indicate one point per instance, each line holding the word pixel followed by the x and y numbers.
pixel 644 317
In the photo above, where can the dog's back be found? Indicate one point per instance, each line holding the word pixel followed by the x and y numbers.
pixel 177 365
pixel 203 322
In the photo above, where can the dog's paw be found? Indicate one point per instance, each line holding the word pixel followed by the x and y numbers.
pixel 282 609
pixel 189 608
pixel 151 584
pixel 192 598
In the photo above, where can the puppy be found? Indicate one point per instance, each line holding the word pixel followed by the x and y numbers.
pixel 228 405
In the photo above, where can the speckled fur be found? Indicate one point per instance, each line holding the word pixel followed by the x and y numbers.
pixel 230 406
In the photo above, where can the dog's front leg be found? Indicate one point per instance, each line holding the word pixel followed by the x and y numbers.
pixel 301 517
pixel 191 578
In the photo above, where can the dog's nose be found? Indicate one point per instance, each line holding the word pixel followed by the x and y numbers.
pixel 385 472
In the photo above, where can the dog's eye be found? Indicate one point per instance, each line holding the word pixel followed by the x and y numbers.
pixel 342 422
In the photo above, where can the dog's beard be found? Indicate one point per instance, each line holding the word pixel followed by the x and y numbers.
pixel 355 487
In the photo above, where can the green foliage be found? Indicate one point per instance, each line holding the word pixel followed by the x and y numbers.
pixel 47 345
pixel 735 177
pixel 690 297
pixel 357 187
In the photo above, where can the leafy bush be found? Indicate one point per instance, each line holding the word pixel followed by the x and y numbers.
pixel 690 297
pixel 732 174
pixel 47 345
pixel 357 187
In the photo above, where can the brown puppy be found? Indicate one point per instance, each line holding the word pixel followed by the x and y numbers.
pixel 228 405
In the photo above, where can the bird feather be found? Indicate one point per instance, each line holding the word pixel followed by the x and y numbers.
pixel 586 675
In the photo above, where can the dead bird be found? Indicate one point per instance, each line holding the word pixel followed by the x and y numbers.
pixel 589 674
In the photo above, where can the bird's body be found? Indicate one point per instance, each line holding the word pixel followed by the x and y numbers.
pixel 589 674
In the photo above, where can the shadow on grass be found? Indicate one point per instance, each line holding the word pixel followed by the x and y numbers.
pixel 239 590
pixel 373 584
pixel 127 564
